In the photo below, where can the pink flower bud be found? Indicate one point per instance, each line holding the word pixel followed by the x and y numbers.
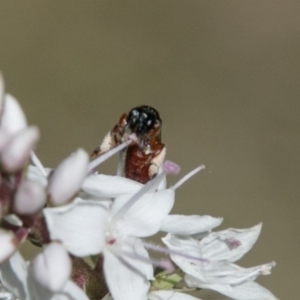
pixel 68 177
pixel 52 268
pixel 13 118
pixel 8 244
pixel 30 198
pixel 16 153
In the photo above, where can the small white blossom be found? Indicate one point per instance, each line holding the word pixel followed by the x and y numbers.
pixel 90 227
pixel 220 249
pixel 52 268
pixel 30 198
pixel 46 278
pixel 68 177
pixel 16 153
pixel 13 118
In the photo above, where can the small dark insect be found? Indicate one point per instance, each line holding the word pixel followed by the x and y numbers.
pixel 144 157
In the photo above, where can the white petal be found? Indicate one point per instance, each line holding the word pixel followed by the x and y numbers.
pixel 36 290
pixel 135 248
pixel 124 281
pixel 145 216
pixel 79 225
pixel 105 186
pixel 68 177
pixel 29 198
pixel 170 295
pixel 248 290
pixel 217 245
pixel 185 245
pixel 212 272
pixel 13 118
pixel 52 268
pixel 13 275
pixel 8 244
pixel 16 153
pixel 188 225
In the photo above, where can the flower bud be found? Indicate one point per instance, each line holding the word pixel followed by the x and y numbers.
pixel 16 154
pixel 13 118
pixel 52 268
pixel 8 244
pixel 30 198
pixel 68 177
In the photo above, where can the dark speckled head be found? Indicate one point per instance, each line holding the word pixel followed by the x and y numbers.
pixel 142 119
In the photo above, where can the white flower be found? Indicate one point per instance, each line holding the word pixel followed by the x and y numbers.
pixel 46 278
pixel 220 249
pixel 89 227
pixel 68 177
pixel 16 152
pixel 13 119
pixel 29 199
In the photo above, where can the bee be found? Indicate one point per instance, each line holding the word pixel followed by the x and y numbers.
pixel 144 157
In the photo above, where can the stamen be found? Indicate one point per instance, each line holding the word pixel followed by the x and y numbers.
pixel 96 162
pixel 165 264
pixel 150 185
pixel 120 163
pixel 187 176
pixel 167 251
pixel 35 160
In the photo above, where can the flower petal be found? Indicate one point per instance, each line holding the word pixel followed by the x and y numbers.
pixel 223 272
pixel 13 118
pixel 123 280
pixel 188 225
pixel 248 290
pixel 52 268
pixel 16 153
pixel 218 245
pixel 145 216
pixel 135 248
pixel 170 295
pixel 13 275
pixel 29 198
pixel 68 177
pixel 79 225
pixel 105 186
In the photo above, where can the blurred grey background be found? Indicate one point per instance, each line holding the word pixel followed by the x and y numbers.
pixel 224 76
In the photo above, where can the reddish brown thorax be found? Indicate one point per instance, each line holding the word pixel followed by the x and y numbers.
pixel 143 158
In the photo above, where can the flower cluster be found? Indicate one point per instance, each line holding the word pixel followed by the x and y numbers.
pixel 74 213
